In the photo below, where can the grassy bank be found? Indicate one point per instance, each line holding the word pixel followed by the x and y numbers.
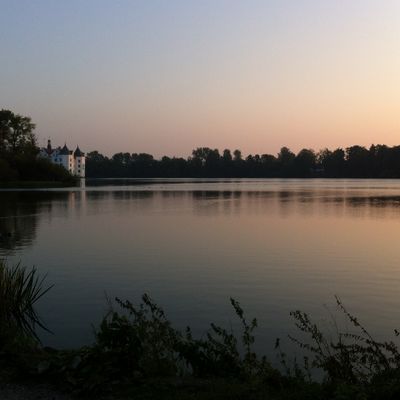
pixel 137 353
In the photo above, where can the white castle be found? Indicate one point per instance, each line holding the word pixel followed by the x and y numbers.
pixel 73 161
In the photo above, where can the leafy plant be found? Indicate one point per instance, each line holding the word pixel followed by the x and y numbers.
pixel 139 343
pixel 137 350
pixel 354 358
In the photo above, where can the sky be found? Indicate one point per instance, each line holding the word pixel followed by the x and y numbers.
pixel 167 76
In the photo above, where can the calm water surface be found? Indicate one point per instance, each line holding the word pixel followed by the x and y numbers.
pixel 275 245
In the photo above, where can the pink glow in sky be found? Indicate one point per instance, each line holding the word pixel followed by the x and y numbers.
pixel 164 77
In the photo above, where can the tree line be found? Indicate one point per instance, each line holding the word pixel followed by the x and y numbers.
pixel 19 161
pixel 377 161
pixel 19 153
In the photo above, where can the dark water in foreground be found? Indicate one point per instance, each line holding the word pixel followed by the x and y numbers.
pixel 275 245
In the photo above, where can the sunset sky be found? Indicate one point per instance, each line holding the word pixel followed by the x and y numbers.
pixel 164 77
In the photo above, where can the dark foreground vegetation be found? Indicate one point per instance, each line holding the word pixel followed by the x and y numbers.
pixel 19 164
pixel 378 161
pixel 138 354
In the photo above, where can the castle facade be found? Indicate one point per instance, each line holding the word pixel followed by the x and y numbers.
pixel 73 161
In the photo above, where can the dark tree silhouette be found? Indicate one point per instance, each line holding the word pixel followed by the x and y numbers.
pixel 305 163
pixel 379 161
pixel 18 152
pixel 16 133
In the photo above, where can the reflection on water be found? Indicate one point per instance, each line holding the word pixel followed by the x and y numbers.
pixel 274 245
pixel 20 211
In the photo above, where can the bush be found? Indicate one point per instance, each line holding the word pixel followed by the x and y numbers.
pixel 355 362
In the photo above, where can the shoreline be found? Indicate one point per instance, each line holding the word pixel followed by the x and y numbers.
pixel 36 185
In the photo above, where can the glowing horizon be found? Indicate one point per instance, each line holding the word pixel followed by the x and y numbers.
pixel 166 77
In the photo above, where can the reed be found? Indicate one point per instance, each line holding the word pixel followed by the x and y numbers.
pixel 20 289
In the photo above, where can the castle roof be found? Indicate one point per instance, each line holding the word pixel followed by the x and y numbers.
pixel 64 151
pixel 78 152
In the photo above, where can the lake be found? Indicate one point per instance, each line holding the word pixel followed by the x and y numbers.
pixel 274 245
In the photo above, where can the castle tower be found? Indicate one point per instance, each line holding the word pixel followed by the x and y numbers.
pixel 66 159
pixel 49 149
pixel 79 163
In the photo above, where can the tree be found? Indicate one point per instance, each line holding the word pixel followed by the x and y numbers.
pixel 286 160
pixel 269 165
pixel 18 153
pixel 305 162
pixel 122 158
pixel 95 156
pixel 332 162
pixel 237 154
pixel 227 156
pixel 201 154
pixel 16 133
pixel 285 156
pixel 378 161
pixel 358 161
